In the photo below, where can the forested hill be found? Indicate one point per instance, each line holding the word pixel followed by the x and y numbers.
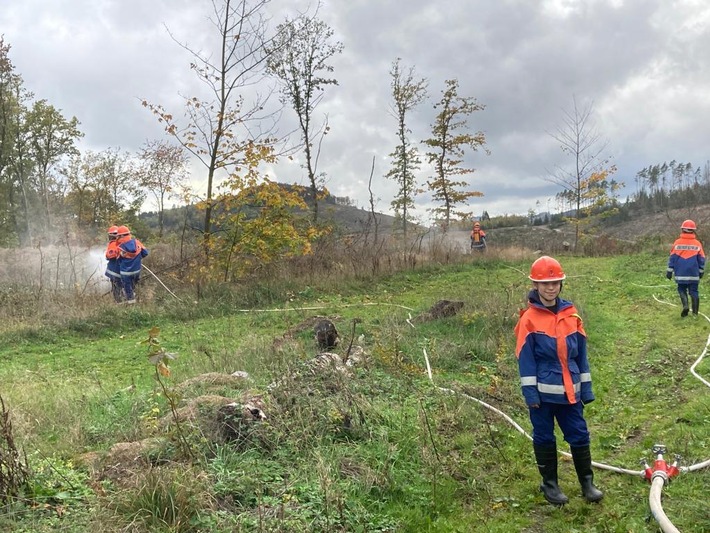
pixel 338 211
pixel 645 215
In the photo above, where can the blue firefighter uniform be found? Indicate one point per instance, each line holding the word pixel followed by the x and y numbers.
pixel 131 254
pixel 554 375
pixel 554 370
pixel 113 272
pixel 687 264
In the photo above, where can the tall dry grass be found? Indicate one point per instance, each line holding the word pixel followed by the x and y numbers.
pixel 338 259
pixel 63 284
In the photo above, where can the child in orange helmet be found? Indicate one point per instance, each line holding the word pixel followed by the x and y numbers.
pixel 687 263
pixel 478 238
pixel 113 272
pixel 554 375
pixel 130 260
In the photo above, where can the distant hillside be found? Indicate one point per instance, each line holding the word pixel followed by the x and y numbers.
pixel 602 235
pixel 665 224
pixel 337 211
pixel 634 222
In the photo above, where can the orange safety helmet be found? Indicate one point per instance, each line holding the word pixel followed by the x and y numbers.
pixel 546 268
pixel 688 225
pixel 113 230
pixel 123 230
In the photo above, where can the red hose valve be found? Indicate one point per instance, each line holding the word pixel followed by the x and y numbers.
pixel 673 470
pixel 660 467
pixel 647 470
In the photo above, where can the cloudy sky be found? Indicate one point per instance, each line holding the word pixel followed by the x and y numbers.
pixel 642 63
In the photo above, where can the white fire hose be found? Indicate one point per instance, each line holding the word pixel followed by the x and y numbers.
pixel 659 475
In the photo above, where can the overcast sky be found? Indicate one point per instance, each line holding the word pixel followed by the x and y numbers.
pixel 643 63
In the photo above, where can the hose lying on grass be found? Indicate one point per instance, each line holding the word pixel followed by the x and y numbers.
pixel 657 482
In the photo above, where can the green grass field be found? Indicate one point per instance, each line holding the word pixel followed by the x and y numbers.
pixel 381 448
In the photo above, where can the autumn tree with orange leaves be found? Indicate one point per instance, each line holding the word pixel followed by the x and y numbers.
pixel 260 221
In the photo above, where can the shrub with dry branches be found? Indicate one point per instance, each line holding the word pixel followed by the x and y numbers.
pixel 14 472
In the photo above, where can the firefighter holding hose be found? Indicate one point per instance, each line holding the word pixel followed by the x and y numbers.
pixel 113 272
pixel 130 256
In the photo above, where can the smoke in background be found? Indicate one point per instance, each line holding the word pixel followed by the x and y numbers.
pixel 55 268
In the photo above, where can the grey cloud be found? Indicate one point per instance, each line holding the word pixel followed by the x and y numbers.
pixel 642 63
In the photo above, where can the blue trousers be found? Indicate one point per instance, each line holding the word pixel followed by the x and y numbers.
pixel 129 286
pixel 570 418
pixel 690 287
pixel 116 289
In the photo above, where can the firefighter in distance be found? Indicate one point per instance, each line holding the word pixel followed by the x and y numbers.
pixel 687 264
pixel 478 238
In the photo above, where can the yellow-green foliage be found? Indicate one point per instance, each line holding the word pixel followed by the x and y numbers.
pixel 258 219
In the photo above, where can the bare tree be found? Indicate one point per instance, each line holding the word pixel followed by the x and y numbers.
pixel 580 140
pixel 300 58
pixel 373 213
pixel 163 169
pixel 233 116
pixel 407 93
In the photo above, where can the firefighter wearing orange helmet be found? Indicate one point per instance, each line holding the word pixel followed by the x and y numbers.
pixel 687 264
pixel 555 378
pixel 130 261
pixel 113 272
pixel 478 238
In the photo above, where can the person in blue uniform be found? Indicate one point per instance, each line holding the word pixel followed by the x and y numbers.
pixel 130 261
pixel 687 264
pixel 556 383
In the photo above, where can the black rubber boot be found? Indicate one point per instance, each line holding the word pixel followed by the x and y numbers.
pixel 696 305
pixel 684 301
pixel 582 458
pixel 547 465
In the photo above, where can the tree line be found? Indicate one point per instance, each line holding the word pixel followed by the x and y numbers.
pixel 49 188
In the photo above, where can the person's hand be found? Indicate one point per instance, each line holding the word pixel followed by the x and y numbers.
pixel 535 406
pixel 669 274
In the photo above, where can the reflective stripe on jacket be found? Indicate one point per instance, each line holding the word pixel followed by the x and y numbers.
pixel 131 253
pixel 552 354
pixel 687 259
pixel 112 269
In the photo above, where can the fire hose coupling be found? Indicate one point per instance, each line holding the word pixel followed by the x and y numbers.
pixel 660 467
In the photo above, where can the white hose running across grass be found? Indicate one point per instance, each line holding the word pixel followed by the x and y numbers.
pixel 160 281
pixel 654 500
pixel 657 483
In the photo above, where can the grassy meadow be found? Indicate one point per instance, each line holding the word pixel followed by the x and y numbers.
pixel 376 449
